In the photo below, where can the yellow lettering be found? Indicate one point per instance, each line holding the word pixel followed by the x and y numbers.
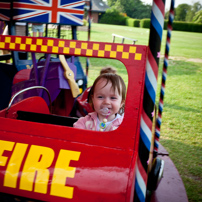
pixel 12 171
pixel 62 171
pixel 5 145
pixel 38 160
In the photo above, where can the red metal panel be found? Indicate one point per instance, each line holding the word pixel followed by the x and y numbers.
pixel 32 104
pixel 104 162
pixel 101 173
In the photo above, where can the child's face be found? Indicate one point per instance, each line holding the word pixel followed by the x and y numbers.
pixel 105 96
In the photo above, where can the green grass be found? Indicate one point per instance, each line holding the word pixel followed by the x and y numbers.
pixel 180 41
pixel 181 129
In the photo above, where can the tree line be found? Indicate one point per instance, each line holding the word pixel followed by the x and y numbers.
pixel 188 13
pixel 138 10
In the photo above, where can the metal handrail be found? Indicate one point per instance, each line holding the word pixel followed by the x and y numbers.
pixel 26 89
pixel 123 38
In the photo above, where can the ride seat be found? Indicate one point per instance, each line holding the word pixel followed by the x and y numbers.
pixel 31 104
pixel 22 75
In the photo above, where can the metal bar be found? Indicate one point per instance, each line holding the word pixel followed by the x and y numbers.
pixel 89 31
pixel 26 89
pixel 45 73
pixel 35 69
pixel 164 75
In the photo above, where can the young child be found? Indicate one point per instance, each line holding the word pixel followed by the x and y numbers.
pixel 81 106
pixel 107 96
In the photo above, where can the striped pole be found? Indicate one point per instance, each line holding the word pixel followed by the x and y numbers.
pixel 89 30
pixel 164 75
pixel 156 30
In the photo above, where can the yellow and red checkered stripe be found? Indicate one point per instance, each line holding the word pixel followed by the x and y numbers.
pixel 70 47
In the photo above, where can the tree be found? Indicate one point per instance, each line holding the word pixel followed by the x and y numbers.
pixel 117 5
pixel 181 12
pixel 112 16
pixel 194 9
pixel 197 6
pixel 111 2
pixel 133 8
pixel 198 17
pixel 136 9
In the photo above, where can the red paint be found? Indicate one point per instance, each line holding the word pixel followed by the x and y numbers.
pixel 105 166
pixel 105 169
pixel 22 75
pixel 32 104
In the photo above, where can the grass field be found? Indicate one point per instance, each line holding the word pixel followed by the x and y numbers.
pixel 181 129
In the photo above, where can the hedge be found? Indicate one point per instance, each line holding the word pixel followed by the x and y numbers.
pixel 187 26
pixel 145 23
pixel 112 16
pixel 132 22
pixel 177 25
pixel 136 23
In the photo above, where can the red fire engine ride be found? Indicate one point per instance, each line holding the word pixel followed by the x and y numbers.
pixel 42 157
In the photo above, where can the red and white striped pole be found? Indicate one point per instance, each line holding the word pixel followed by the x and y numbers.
pixel 164 75
pixel 156 30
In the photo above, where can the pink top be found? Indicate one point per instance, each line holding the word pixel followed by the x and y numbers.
pixel 89 122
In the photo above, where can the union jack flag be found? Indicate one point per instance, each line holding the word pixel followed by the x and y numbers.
pixel 44 11
pixel 5 11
